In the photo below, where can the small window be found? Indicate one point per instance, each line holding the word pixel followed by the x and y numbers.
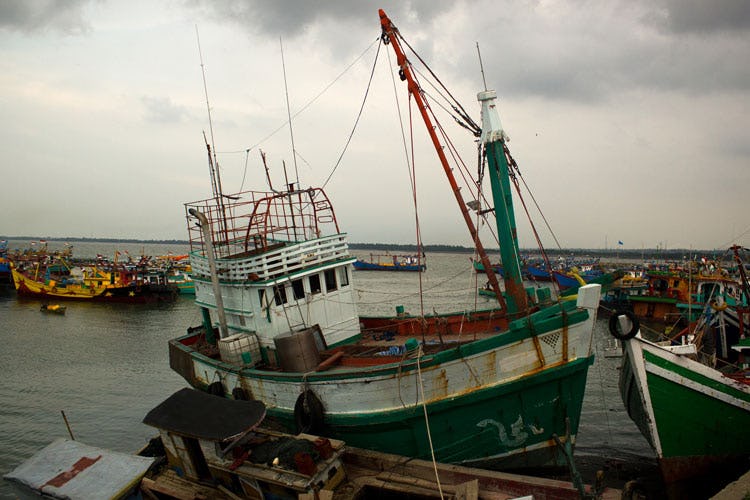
pixel 279 295
pixel 262 297
pixel 315 283
pixel 343 276
pixel 330 277
pixel 298 289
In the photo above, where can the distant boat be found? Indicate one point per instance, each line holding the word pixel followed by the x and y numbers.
pixel 183 280
pixel 53 308
pixel 54 281
pixel 5 276
pixel 388 262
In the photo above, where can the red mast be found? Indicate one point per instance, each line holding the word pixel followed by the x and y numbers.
pixel 390 36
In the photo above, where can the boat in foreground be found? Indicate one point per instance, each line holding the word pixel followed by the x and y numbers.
pixel 211 447
pixel 694 417
pixel 273 278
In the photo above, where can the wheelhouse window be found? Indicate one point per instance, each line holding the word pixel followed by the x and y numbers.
pixel 279 295
pixel 315 283
pixel 343 276
pixel 330 277
pixel 298 289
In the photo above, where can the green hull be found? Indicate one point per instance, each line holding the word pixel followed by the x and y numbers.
pixel 694 418
pixel 516 423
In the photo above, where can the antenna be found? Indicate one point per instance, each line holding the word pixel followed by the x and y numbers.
pixel 213 166
pixel 217 181
pixel 481 67
pixel 289 116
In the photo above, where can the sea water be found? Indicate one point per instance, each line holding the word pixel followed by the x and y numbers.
pixel 106 365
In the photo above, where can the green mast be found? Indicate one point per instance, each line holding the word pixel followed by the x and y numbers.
pixel 493 139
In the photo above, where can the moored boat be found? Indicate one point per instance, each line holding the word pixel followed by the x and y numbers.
pixel 54 281
pixel 694 416
pixel 53 308
pixel 216 448
pixel 490 389
pixel 5 276
pixel 388 262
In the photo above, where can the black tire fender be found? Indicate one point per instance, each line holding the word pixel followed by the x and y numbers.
pixel 309 413
pixel 216 389
pixel 614 325
pixel 239 394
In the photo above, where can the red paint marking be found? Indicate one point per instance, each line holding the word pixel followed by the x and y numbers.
pixel 78 467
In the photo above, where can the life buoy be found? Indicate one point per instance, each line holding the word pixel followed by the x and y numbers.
pixel 716 306
pixel 614 325
pixel 216 389
pixel 308 413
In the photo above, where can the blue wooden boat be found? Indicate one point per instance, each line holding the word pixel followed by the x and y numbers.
pixel 478 267
pixel 388 262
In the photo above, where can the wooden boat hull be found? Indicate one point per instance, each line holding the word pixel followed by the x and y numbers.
pixel 695 418
pixel 361 265
pixel 494 402
pixel 26 287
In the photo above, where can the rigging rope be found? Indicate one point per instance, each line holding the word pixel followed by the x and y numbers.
pixel 460 109
pixel 427 422
pixel 356 122
pixel 411 168
pixel 308 104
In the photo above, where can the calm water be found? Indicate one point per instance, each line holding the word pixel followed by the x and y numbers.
pixel 106 366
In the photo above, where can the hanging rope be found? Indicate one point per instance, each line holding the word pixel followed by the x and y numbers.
pixel 412 179
pixel 356 122
pixel 427 422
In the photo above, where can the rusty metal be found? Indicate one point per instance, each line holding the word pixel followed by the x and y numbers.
pixel 390 35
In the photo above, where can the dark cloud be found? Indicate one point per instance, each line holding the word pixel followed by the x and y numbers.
pixel 163 110
pixel 704 17
pixel 290 18
pixel 588 55
pixel 29 16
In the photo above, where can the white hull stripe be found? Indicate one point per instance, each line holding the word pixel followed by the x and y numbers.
pixel 691 384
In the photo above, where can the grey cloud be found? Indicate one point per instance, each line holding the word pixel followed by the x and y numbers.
pixel 163 110
pixel 29 16
pixel 705 17
pixel 290 18
pixel 588 55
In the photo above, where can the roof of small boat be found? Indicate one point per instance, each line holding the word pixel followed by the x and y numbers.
pixel 197 414
pixel 71 469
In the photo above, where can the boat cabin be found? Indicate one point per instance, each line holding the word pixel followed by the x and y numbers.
pixel 213 440
pixel 282 266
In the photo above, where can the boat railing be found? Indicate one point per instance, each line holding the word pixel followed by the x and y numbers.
pixel 284 259
pixel 253 221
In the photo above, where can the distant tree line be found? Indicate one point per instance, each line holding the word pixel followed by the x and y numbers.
pixel 646 254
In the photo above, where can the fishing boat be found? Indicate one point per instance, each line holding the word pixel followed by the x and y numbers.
pixel 5 276
pixel 388 262
pixel 694 416
pixel 216 448
pixel 182 279
pixel 479 268
pixel 54 281
pixel 53 308
pixel 273 279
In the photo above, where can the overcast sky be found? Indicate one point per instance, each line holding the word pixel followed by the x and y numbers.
pixel 629 120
